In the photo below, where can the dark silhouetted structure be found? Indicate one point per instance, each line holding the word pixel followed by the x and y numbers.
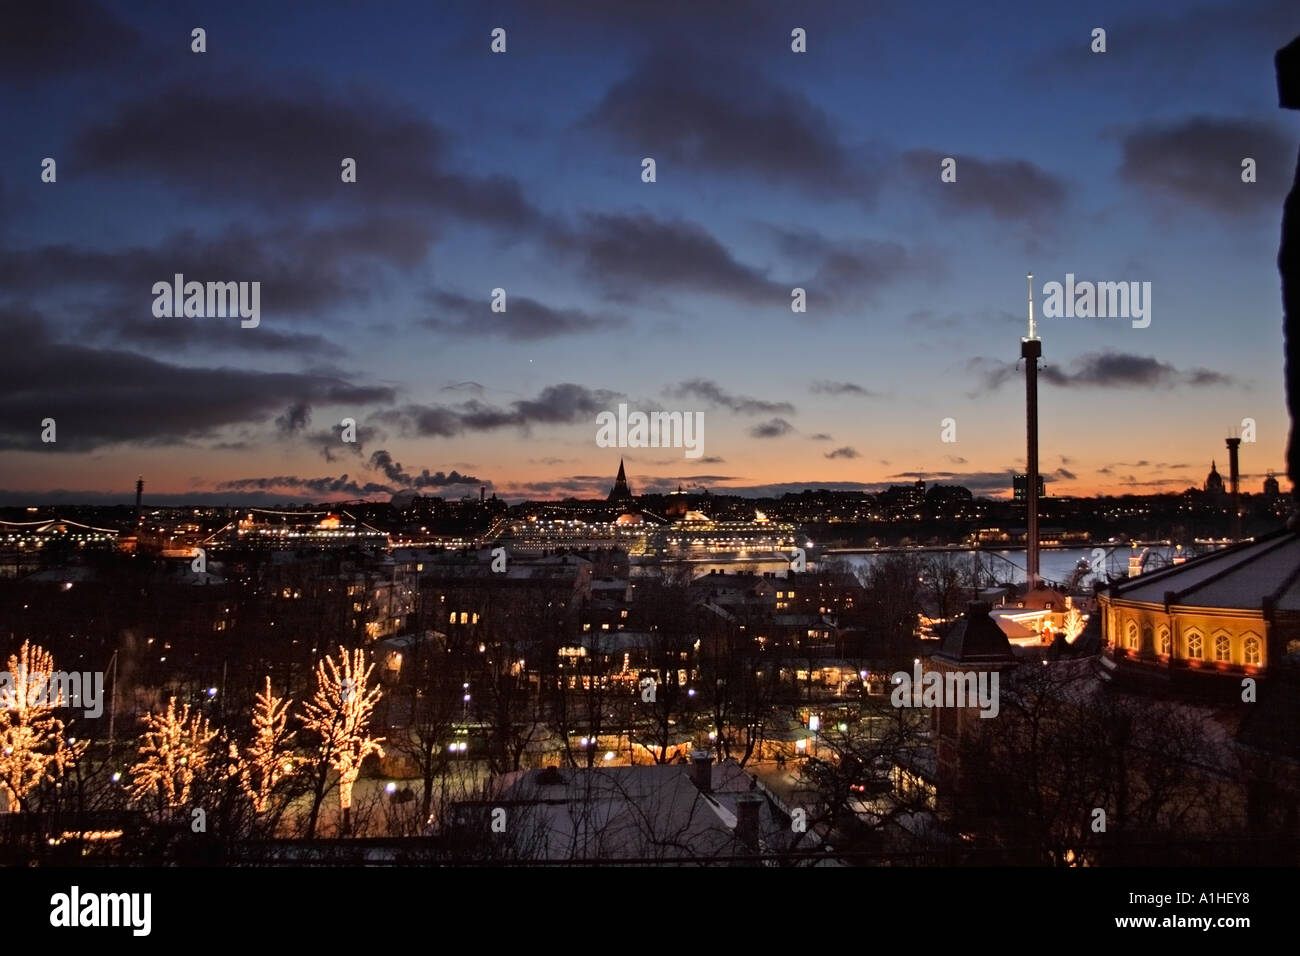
pixel 1287 64
pixel 1030 350
pixel 1234 480
pixel 620 491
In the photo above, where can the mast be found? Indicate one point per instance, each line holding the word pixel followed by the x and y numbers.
pixel 1030 350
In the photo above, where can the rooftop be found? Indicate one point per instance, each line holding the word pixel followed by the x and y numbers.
pixel 1244 575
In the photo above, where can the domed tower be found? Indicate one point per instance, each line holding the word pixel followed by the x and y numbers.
pixel 1214 480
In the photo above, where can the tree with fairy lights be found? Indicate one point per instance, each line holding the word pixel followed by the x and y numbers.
pixel 33 745
pixel 269 759
pixel 1074 622
pixel 339 715
pixel 174 752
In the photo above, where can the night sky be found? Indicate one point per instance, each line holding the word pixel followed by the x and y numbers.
pixel 522 171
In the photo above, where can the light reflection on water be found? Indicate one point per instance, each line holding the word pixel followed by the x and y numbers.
pixel 1055 564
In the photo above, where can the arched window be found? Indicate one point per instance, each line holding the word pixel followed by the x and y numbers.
pixel 1252 650
pixel 1195 647
pixel 1222 648
pixel 1165 643
pixel 1131 637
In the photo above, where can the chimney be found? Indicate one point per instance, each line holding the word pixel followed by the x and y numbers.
pixel 1235 477
pixel 747 829
pixel 702 770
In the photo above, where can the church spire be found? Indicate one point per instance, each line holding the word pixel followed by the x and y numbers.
pixel 620 491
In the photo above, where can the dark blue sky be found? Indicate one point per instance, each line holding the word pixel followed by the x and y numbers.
pixel 522 170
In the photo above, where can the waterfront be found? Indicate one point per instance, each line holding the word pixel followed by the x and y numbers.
pixel 1002 565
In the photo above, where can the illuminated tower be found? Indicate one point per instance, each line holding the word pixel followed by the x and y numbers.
pixel 1030 350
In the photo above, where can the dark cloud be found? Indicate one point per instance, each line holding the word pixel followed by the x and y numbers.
pixel 295 418
pixel 301 270
pixel 1012 190
pixel 773 428
pixel 1153 54
pixel 316 486
pixel 846 270
pixel 650 253
pixel 706 390
pixel 574 486
pixel 554 405
pixel 523 320
pixel 138 327
pixel 1121 370
pixel 330 440
pixel 57 37
pixel 820 436
pixel 845 452
pixel 839 388
pixel 689 113
pixel 1102 370
pixel 354 487
pixel 291 146
pixel 1063 474
pixel 102 396
pixel 1198 161
pixel 382 461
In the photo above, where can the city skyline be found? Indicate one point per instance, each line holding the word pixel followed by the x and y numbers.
pixel 522 171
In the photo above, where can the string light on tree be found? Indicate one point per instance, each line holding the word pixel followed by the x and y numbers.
pixel 174 750
pixel 270 758
pixel 1074 622
pixel 33 745
pixel 339 714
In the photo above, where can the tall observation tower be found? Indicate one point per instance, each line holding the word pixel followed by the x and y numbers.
pixel 1031 349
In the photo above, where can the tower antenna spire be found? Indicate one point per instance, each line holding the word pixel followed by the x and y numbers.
pixel 1033 332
